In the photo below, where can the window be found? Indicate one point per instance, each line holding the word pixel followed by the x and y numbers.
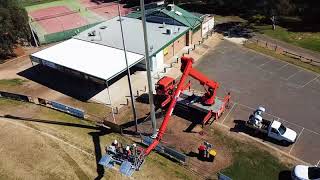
pixel 273 130
pixel 282 129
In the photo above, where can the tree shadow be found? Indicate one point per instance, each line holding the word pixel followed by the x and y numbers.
pixel 97 149
pixel 16 118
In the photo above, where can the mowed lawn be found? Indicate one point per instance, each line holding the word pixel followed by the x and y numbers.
pixel 307 40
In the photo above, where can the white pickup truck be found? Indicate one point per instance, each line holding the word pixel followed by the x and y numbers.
pixel 275 130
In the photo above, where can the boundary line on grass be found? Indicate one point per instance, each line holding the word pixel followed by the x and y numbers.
pixel 51 136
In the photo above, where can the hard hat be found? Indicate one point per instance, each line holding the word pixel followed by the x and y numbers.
pixel 115 142
pixel 258 117
pixel 127 148
pixel 260 108
pixel 134 145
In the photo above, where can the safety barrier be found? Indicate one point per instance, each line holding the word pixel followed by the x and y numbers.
pixel 280 50
pixel 165 150
pixel 223 177
pixel 67 109
pixel 50 104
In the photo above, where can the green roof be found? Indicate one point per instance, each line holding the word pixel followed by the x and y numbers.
pixel 186 18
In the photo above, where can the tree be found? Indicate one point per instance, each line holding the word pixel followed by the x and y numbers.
pixel 14 27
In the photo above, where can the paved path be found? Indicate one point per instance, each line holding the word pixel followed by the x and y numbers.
pixel 289 47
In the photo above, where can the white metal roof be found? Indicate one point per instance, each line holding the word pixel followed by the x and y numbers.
pixel 97 60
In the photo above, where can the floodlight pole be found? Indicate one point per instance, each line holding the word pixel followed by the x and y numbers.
pixel 128 71
pixel 147 59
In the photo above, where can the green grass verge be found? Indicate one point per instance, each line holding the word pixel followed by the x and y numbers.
pixel 254 164
pixel 249 161
pixel 12 82
pixel 306 40
pixel 288 59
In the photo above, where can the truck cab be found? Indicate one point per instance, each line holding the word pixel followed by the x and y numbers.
pixel 165 86
pixel 281 133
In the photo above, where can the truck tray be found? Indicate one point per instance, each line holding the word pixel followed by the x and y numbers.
pixel 192 100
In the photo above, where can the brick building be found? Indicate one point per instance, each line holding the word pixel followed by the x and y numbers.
pixel 174 15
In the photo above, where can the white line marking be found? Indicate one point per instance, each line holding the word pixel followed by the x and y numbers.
pixel 310 81
pixel 264 63
pixel 312 131
pixel 282 67
pixel 229 112
pixel 51 136
pixel 296 141
pixel 293 74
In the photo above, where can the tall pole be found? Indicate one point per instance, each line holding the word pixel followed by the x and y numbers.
pixel 128 71
pixel 147 59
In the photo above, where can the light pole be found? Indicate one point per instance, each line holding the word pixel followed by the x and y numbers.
pixel 149 77
pixel 128 71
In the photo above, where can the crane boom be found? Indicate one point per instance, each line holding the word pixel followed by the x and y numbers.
pixel 186 70
pixel 209 97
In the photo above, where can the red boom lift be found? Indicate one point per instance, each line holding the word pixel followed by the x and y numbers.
pixel 208 102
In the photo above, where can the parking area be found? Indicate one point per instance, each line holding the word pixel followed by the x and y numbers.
pixel 289 94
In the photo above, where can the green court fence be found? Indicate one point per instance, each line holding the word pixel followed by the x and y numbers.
pixel 67 34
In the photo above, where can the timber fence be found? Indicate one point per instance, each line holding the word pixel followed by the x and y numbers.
pixel 280 50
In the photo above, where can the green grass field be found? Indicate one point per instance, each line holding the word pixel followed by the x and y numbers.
pixel 307 40
pixel 251 162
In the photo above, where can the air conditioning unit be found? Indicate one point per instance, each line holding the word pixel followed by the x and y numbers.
pixel 92 33
pixel 169 31
pixel 170 7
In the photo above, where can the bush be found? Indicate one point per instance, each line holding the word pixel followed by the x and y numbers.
pixel 258 19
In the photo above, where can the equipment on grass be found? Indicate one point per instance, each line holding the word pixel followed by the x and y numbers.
pixel 174 93
pixel 206 153
pixel 125 156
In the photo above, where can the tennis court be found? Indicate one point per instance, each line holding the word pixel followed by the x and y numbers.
pixel 61 20
pixel 58 19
